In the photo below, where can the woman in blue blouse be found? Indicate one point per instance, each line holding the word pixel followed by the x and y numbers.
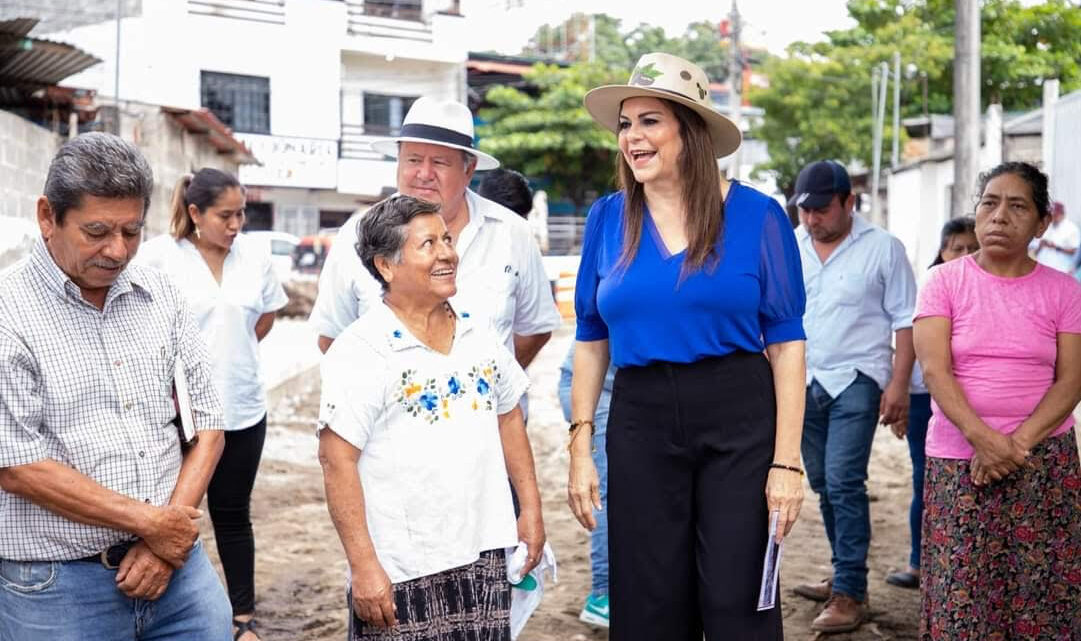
pixel 686 279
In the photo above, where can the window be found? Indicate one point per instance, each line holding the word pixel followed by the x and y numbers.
pixel 401 9
pixel 383 115
pixel 241 102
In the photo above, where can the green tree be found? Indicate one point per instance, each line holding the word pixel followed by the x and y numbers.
pixel 552 135
pixel 818 104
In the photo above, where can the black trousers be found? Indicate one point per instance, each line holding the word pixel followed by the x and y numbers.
pixel 689 449
pixel 229 500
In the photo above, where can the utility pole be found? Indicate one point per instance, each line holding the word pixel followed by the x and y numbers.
pixel 735 84
pixel 966 105
pixel 116 71
pixel 876 151
pixel 895 159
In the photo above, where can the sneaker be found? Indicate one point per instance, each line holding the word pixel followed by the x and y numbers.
pixel 595 611
pixel 841 614
pixel 815 591
pixel 904 579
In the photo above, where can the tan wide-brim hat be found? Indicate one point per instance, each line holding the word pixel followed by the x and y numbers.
pixel 661 75
pixel 438 122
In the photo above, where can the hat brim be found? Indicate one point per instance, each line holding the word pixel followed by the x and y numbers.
pixel 808 200
pixel 603 104
pixel 389 147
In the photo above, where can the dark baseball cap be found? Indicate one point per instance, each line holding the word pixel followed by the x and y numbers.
pixel 818 182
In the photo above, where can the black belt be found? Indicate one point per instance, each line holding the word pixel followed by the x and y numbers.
pixel 109 558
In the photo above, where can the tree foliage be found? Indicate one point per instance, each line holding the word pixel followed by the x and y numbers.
pixel 818 103
pixel 552 135
pixel 612 45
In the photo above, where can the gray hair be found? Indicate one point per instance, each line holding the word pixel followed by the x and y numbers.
pixel 97 164
pixel 381 230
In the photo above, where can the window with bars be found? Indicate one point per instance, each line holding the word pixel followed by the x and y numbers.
pixel 383 114
pixel 241 102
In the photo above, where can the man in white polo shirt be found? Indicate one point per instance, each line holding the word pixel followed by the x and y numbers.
pixel 1058 246
pixel 499 271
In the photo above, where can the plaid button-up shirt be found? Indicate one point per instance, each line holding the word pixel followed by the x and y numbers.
pixel 92 389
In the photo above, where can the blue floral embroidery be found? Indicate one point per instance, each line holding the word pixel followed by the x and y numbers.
pixel 397 333
pixel 432 401
pixel 465 314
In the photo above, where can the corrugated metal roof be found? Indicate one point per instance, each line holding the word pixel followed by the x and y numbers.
pixel 17 27
pixel 33 61
pixel 204 122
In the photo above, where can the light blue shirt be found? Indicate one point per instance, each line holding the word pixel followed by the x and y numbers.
pixel 863 293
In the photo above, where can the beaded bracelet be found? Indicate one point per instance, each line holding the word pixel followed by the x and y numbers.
pixel 790 468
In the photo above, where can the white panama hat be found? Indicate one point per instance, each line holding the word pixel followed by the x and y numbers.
pixel 438 122
pixel 662 75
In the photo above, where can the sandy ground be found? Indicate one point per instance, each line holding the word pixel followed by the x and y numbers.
pixel 300 566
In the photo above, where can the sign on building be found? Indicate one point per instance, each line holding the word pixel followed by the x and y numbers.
pixel 291 162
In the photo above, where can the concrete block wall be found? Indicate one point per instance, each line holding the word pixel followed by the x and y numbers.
pixel 25 152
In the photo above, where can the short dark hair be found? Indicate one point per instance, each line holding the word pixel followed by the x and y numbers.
pixel 954 227
pixel 97 164
pixel 381 230
pixel 508 188
pixel 1036 179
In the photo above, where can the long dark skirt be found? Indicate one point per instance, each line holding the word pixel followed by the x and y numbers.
pixel 470 603
pixel 1003 562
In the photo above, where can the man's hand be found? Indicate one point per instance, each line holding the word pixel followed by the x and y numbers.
pixel 373 596
pixel 142 575
pixel 893 408
pixel 531 532
pixel 172 533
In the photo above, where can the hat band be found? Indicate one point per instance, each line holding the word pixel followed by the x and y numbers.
pixel 436 134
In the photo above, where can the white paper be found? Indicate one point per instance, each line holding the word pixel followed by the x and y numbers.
pixel 183 402
pixel 771 566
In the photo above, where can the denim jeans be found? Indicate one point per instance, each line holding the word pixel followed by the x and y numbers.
pixel 73 601
pixel 836 447
pixel 919 415
pixel 598 539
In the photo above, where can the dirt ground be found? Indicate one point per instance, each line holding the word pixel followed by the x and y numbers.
pixel 300 567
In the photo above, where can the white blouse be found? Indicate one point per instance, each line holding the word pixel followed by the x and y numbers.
pixel 226 314
pixel 435 482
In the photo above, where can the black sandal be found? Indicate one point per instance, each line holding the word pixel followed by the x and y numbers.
pixel 244 626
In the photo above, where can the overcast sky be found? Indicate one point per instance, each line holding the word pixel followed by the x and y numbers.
pixel 773 23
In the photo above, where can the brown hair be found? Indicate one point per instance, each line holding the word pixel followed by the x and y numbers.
pixel 202 190
pixel 702 199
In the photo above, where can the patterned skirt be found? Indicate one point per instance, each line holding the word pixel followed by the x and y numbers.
pixel 1003 562
pixel 470 603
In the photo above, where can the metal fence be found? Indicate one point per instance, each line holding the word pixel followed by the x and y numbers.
pixel 565 235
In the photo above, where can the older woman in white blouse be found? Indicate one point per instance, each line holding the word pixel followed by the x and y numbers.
pixel 419 429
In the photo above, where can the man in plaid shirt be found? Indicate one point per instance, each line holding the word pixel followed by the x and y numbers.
pixel 98 518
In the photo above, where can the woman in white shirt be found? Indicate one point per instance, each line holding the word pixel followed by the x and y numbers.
pixel 419 429
pixel 233 291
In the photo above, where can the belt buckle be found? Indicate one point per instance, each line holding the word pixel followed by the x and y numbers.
pixel 105 560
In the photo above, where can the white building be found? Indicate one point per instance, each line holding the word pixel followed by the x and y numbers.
pixel 306 84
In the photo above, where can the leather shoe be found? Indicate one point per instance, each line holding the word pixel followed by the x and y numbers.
pixel 841 614
pixel 815 591
pixel 904 579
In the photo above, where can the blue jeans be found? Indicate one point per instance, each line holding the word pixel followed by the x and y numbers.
pixel 836 447
pixel 73 601
pixel 919 415
pixel 598 539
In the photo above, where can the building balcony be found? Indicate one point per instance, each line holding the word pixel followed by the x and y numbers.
pixel 388 19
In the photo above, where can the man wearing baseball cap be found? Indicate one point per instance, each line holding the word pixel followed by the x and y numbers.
pixel 500 273
pixel 860 294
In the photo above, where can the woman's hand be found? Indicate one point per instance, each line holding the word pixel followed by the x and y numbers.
pixel 996 457
pixel 584 490
pixel 373 595
pixel 784 494
pixel 531 532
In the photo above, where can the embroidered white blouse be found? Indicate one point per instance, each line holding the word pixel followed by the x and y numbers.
pixel 431 464
pixel 226 314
